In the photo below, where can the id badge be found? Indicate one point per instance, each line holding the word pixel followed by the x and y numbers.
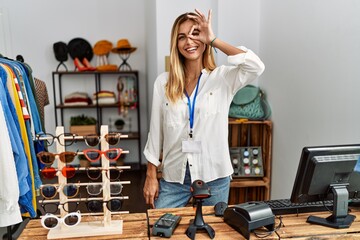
pixel 191 146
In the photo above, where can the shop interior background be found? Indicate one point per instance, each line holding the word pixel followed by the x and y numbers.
pixel 310 50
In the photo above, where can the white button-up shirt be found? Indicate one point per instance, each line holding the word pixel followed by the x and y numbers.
pixel 169 124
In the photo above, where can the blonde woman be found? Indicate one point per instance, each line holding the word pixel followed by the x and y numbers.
pixel 189 118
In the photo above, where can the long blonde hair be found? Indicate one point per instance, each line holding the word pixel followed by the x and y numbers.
pixel 175 85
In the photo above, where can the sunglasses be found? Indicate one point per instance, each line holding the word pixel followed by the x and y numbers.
pixel 54 207
pixel 96 189
pixel 50 221
pixel 64 139
pixel 94 155
pixel 50 172
pixel 97 205
pixel 93 140
pixel 48 158
pixel 49 191
pixel 95 173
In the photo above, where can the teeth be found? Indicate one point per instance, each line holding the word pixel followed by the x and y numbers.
pixel 191 49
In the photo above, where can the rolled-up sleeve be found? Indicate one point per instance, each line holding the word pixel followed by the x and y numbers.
pixel 248 67
pixel 154 143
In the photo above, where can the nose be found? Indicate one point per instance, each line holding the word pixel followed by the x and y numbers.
pixel 189 40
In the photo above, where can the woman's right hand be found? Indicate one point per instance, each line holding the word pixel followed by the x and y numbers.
pixel 151 186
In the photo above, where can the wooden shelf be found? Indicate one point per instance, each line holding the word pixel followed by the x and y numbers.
pixel 244 133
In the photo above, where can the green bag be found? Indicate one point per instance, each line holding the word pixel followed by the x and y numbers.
pixel 250 102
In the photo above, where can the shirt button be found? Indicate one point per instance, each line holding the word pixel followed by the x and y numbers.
pixel 190 165
pixel 211 93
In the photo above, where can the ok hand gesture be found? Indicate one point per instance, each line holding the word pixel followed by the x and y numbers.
pixel 202 30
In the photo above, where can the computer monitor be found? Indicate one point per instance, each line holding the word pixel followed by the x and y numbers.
pixel 327 173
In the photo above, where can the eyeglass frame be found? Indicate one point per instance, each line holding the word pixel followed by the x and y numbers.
pixel 85 151
pixel 45 137
pixel 57 204
pixel 101 188
pixel 57 188
pixel 117 136
pixel 100 171
pixel 54 155
pixel 60 220
pixel 102 202
pixel 58 170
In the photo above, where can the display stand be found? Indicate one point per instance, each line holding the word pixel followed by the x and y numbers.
pixel 83 229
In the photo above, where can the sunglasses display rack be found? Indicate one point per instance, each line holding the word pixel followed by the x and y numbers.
pixel 102 224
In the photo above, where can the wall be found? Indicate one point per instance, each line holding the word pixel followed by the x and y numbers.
pixel 311 52
pixel 36 25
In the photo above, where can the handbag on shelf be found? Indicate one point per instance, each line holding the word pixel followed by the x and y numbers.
pixel 250 103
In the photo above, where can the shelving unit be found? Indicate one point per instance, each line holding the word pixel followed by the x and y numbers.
pixel 245 134
pixel 62 80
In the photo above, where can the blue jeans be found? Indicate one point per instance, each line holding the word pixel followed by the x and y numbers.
pixel 173 195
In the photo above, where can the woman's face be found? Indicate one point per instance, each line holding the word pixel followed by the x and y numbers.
pixel 190 49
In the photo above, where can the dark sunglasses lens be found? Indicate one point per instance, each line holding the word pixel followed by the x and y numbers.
pixel 48 172
pixel 94 206
pixel 68 171
pixel 70 190
pixel 92 155
pixel 114 174
pixel 112 139
pixel 51 222
pixel 48 191
pixel 114 205
pixel 50 207
pixel 93 174
pixel 46 158
pixel 113 154
pixel 91 140
pixel 67 157
pixel 71 206
pixel 71 220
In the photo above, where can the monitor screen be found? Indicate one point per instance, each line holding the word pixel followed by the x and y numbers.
pixel 327 173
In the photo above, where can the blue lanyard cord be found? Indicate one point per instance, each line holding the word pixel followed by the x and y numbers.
pixel 192 106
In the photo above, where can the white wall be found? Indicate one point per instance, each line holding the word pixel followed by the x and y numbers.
pixel 311 52
pixel 36 25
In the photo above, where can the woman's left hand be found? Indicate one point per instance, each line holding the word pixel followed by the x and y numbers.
pixel 202 31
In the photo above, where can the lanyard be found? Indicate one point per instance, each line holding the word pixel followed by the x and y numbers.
pixel 192 106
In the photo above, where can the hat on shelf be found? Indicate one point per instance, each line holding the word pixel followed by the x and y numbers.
pixel 102 47
pixel 60 51
pixel 123 46
pixel 80 48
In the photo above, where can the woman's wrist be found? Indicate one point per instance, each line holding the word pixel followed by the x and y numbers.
pixel 212 41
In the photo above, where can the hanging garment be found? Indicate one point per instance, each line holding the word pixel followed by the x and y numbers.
pixel 42 98
pixel 21 150
pixel 9 187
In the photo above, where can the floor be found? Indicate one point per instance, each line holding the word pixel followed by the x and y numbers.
pixel 135 203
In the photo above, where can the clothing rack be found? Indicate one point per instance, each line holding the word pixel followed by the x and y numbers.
pixel 14 230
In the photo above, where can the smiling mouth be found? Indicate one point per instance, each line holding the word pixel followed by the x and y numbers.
pixel 191 49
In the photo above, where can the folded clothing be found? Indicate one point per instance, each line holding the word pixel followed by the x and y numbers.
pixel 77 98
pixel 104 97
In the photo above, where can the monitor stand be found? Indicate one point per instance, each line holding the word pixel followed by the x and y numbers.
pixel 340 217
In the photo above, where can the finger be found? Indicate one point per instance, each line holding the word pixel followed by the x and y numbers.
pixel 192 30
pixel 202 16
pixel 209 15
pixel 194 18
